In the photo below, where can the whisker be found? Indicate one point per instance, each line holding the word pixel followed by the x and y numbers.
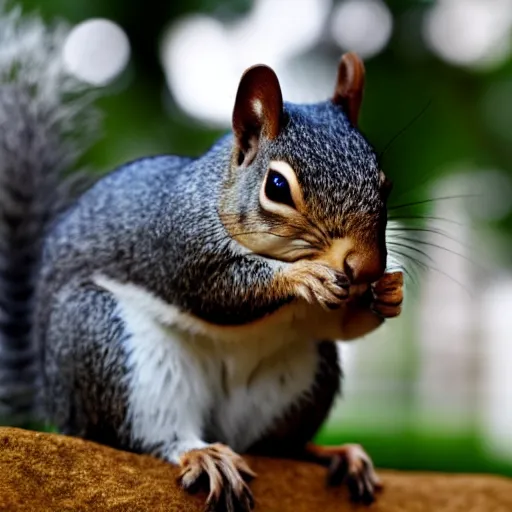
pixel 228 236
pixel 321 237
pixel 411 258
pixel 434 231
pixel 437 246
pixel 431 200
pixel 412 277
pixel 417 117
pixel 425 217
pixel 249 223
pixel 426 267
pixel 414 249
pixel 399 256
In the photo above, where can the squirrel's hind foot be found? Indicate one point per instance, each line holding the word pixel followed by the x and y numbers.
pixel 223 472
pixel 350 465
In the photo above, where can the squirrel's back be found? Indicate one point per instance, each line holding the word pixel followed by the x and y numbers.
pixel 134 213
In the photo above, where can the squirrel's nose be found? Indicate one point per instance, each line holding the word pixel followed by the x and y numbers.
pixel 365 266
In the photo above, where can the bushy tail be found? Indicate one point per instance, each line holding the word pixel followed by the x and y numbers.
pixel 46 124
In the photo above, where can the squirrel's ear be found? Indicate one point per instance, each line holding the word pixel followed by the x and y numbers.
pixel 349 86
pixel 258 111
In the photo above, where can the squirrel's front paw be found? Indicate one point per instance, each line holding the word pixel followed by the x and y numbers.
pixel 388 293
pixel 317 282
pixel 223 472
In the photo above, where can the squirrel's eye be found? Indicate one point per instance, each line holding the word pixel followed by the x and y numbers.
pixel 277 189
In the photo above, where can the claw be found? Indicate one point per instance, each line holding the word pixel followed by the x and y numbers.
pixel 351 466
pixel 224 473
pixel 317 282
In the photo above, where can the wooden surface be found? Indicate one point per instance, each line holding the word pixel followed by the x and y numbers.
pixel 46 472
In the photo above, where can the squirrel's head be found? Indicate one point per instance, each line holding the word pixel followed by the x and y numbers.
pixel 303 182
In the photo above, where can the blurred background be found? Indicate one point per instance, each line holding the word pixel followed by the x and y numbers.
pixel 433 388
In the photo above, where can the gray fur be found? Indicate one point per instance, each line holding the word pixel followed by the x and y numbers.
pixel 45 124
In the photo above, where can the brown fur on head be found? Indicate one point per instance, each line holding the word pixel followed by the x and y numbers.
pixel 303 182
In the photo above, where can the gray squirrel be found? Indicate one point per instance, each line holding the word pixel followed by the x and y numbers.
pixel 187 307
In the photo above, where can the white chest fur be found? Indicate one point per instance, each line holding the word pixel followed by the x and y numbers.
pixel 187 377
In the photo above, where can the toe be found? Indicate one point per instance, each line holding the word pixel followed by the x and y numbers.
pixel 386 310
pixel 337 471
pixel 389 289
pixel 361 488
pixel 351 466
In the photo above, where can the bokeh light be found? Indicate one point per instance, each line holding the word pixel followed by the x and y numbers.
pixel 496 395
pixel 96 51
pixel 470 32
pixel 363 26
pixel 203 72
pixel 276 31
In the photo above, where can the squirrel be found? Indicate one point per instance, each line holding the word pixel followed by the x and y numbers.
pixel 188 308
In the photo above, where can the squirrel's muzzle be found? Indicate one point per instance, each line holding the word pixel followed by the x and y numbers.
pixel 363 261
pixel 365 264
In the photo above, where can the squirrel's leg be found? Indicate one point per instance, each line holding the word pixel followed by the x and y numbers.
pixel 347 464
pixel 249 287
pixel 222 472
pixel 84 364
pixel 291 436
pixel 214 467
